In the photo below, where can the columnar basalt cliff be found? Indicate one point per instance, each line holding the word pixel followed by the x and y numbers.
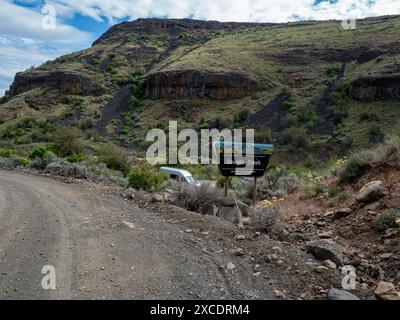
pixel 70 82
pixel 195 84
pixel 376 87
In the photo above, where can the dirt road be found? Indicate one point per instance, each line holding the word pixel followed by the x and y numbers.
pixel 102 247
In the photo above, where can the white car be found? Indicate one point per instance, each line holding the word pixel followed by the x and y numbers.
pixel 180 175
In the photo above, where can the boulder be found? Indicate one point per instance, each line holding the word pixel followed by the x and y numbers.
pixel 342 213
pixel 157 197
pixel 325 249
pixel 231 214
pixel 228 209
pixel 386 291
pixel 330 264
pixel 371 192
pixel 210 209
pixel 244 208
pixel 336 294
pixel 307 296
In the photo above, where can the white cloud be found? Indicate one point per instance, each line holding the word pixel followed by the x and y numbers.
pixel 22 22
pixel 24 42
pixel 230 10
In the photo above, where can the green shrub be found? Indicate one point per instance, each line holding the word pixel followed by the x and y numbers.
pixel 5 153
pixel 114 157
pixel 13 162
pixel 43 161
pixel 307 114
pixel 278 182
pixel 241 190
pixel 388 219
pixel 263 136
pixel 295 137
pixel 288 104
pixel 241 117
pixel 68 142
pixel 375 135
pixel 145 178
pixel 333 72
pixel 196 198
pixel 353 169
pixel 38 152
pixel 76 158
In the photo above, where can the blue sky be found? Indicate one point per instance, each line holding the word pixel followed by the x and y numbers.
pixel 24 41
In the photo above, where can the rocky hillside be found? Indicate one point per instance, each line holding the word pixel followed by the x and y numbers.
pixel 309 87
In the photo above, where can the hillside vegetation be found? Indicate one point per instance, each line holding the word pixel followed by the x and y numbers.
pixel 313 89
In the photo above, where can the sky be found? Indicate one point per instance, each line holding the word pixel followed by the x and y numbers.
pixel 35 31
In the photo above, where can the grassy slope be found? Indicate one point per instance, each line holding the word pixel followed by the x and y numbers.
pixel 291 55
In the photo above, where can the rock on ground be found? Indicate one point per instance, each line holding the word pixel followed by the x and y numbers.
pixel 371 192
pixel 386 291
pixel 336 294
pixel 325 249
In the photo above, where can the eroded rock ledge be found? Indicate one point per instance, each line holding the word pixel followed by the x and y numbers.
pixel 195 84
pixel 71 82
pixel 376 87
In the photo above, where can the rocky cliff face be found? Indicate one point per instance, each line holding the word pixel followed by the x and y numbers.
pixel 376 87
pixel 70 82
pixel 195 84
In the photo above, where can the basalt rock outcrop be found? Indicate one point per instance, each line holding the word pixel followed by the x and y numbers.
pixel 376 87
pixel 195 84
pixel 69 82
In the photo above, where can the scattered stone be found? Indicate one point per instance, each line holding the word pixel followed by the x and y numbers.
pixel 257 268
pixel 239 252
pixel 279 294
pixel 342 213
pixel 386 291
pixel 280 262
pixel 375 206
pixel 321 269
pixel 129 224
pixel 336 294
pixel 157 197
pixel 277 249
pixel 307 296
pixel 371 192
pixel 330 264
pixel 325 249
pixel 240 237
pixel 385 256
pixel 230 266
pixel 326 235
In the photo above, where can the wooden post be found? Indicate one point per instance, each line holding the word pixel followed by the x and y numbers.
pixel 255 192
pixel 226 186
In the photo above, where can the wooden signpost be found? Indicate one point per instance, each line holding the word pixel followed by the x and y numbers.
pixel 235 160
